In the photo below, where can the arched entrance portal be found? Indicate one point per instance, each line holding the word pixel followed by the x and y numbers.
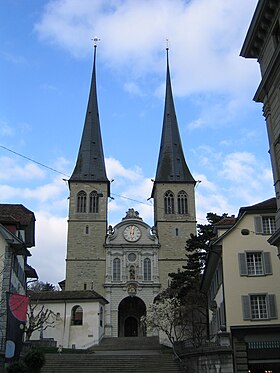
pixel 131 309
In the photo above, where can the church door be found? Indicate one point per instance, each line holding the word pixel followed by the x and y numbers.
pixel 131 327
pixel 130 311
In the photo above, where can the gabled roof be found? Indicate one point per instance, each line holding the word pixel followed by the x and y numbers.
pixel 171 166
pixel 90 165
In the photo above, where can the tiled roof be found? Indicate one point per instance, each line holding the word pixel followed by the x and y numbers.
pixel 11 213
pixel 66 295
pixel 267 205
pixel 227 221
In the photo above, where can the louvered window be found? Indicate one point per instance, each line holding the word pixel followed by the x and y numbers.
pixel 182 200
pixel 81 201
pixel 169 202
pixel 93 202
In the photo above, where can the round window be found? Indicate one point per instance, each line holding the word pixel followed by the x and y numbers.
pixel 131 257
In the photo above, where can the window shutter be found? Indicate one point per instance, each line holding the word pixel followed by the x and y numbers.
pixel 258 225
pixel 246 307
pixel 272 311
pixel 267 263
pixel 242 264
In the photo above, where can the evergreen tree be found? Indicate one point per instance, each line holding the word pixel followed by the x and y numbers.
pixel 41 286
pixel 197 246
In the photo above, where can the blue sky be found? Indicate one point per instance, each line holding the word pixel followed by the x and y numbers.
pixel 45 70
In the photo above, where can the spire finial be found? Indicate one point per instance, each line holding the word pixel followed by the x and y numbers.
pixel 95 40
pixel 167 44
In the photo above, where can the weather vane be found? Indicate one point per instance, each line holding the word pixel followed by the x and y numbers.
pixel 95 40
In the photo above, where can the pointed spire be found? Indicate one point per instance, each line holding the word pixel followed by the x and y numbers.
pixel 90 165
pixel 171 166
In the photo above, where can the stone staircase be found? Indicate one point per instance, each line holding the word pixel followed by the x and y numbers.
pixel 116 355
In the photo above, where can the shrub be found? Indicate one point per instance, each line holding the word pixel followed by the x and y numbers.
pixel 17 367
pixel 34 360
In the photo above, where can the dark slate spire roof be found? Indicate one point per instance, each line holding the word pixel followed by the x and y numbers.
pixel 90 165
pixel 171 166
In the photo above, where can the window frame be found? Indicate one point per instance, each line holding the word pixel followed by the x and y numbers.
pixel 77 310
pixel 260 224
pixel 265 262
pixel 116 270
pixel 147 269
pixel 270 304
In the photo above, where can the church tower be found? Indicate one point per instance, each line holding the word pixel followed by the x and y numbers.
pixel 173 193
pixel 89 192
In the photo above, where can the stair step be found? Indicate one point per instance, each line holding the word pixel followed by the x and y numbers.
pixel 91 363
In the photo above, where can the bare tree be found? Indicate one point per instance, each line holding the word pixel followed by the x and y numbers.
pixel 178 320
pixel 38 318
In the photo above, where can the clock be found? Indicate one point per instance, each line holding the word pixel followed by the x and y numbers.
pixel 132 233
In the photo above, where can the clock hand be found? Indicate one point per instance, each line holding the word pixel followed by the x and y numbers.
pixel 132 232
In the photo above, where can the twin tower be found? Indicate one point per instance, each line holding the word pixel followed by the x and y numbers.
pixel 127 264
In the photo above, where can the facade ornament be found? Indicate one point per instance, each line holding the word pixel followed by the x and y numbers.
pixel 132 290
pixel 132 214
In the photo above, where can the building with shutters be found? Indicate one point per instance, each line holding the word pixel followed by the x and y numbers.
pixel 262 42
pixel 242 280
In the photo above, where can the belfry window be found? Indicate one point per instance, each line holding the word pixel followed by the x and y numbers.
pixel 116 269
pixel 182 200
pixel 81 201
pixel 93 202
pixel 147 269
pixel 169 202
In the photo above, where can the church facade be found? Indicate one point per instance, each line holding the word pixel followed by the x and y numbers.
pixel 127 264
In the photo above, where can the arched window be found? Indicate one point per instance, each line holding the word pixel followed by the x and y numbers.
pixel 147 269
pixel 182 202
pixel 81 201
pixel 169 202
pixel 93 202
pixel 116 269
pixel 77 315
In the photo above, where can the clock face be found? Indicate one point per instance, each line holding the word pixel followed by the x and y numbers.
pixel 132 233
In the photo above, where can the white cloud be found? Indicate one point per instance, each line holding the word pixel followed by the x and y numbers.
pixel 133 88
pixel 10 169
pixel 116 169
pixel 5 129
pixel 48 256
pixel 205 38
